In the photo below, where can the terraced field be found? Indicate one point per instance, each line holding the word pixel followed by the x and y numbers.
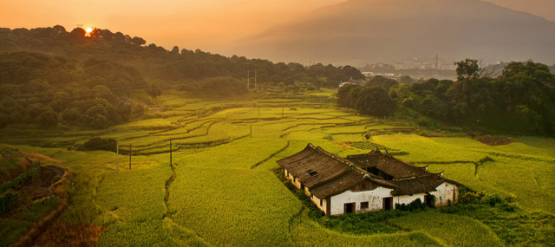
pixel 222 188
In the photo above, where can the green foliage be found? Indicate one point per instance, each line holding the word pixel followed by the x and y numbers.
pixel 412 206
pixel 254 206
pixel 48 91
pixel 367 223
pixel 7 201
pixel 155 62
pixel 48 118
pixel 218 87
pixel 99 144
pixel 522 98
pixel 382 82
pixel 367 100
pixel 20 179
pixel 468 69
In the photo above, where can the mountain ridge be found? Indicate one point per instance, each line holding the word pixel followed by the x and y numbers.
pixel 349 32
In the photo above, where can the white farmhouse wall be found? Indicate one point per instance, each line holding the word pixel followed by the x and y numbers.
pixel 374 197
pixel 407 199
pixel 445 194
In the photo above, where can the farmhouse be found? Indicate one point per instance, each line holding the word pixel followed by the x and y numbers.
pixel 365 182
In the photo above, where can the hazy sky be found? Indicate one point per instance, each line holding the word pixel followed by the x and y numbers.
pixel 207 24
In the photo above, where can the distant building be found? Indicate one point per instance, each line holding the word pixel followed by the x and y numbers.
pixel 365 182
pixel 346 84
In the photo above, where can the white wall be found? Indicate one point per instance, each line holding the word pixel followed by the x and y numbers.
pixel 445 194
pixel 407 199
pixel 374 197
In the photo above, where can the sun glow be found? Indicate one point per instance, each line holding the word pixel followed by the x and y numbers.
pixel 88 31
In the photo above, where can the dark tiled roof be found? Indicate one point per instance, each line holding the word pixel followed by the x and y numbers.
pixel 387 164
pixel 326 174
pixel 418 185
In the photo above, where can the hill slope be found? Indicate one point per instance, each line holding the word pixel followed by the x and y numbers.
pixel 364 31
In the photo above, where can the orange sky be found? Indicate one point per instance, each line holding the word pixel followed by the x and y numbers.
pixel 210 25
pixel 207 24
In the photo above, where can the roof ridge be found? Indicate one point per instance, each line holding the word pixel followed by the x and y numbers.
pixel 355 168
pixel 343 160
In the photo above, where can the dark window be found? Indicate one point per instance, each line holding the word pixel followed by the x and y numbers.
pixel 364 205
pixel 321 202
pixel 312 173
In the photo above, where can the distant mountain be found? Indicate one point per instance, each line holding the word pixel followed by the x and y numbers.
pixel 370 31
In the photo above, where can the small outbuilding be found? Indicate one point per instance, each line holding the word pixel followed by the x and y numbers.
pixel 365 182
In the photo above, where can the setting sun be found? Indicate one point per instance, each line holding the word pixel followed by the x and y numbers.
pixel 89 30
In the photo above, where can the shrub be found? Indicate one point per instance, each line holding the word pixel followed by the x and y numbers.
pixel 471 197
pixel 70 115
pixel 493 199
pixel 48 118
pixel 7 201
pixel 99 144
pixel 414 205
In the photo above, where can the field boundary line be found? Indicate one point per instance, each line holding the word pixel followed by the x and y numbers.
pixel 271 156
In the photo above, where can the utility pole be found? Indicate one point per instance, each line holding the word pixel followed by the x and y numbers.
pixel 171 164
pixel 130 156
pixel 248 79
pixel 255 80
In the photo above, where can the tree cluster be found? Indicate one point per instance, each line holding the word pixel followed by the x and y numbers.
pixel 371 100
pixel 155 62
pixel 48 91
pixel 217 87
pixel 520 100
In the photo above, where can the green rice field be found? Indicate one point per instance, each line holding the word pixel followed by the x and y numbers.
pixel 222 189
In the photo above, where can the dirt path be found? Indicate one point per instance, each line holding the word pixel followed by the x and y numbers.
pixel 59 189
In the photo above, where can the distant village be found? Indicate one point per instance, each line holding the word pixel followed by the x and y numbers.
pixel 415 68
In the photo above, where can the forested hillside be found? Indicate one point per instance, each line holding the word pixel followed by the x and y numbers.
pixel 50 90
pixel 155 62
pixel 519 100
pixel 49 76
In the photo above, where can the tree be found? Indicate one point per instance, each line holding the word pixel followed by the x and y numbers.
pixel 375 101
pixel 380 81
pixel 70 115
pixel 48 118
pixel 138 41
pixel 344 95
pixel 468 69
pixel 154 90
pixel 175 50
